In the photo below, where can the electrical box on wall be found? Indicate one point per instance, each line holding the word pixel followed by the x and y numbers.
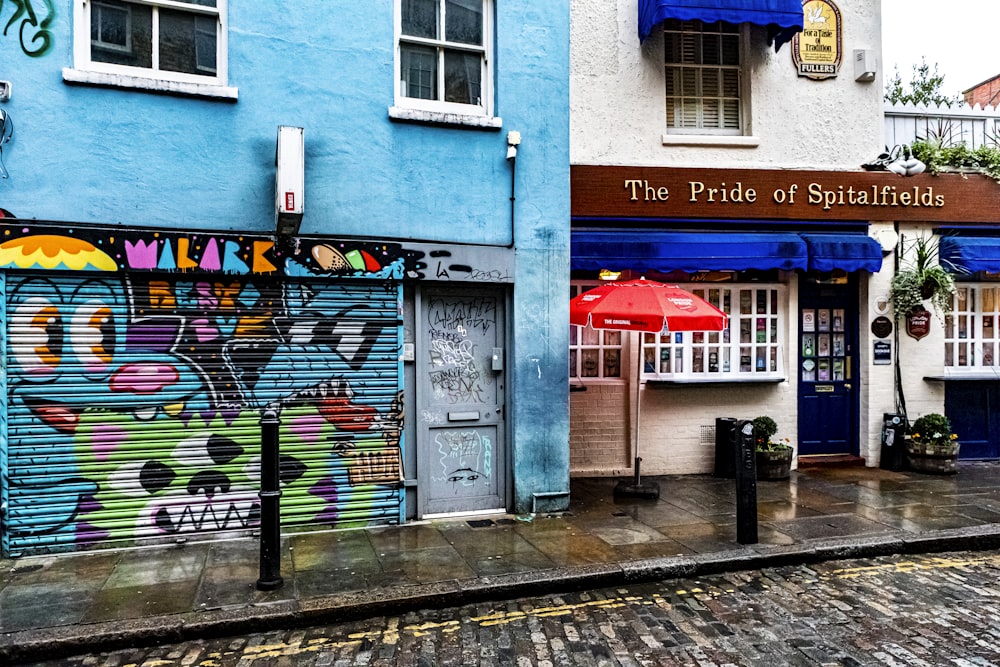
pixel 865 65
pixel 290 179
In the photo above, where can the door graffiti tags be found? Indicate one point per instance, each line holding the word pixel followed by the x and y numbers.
pixel 463 401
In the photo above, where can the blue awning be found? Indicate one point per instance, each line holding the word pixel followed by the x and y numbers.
pixel 848 252
pixel 646 250
pixel 642 250
pixel 782 18
pixel 970 253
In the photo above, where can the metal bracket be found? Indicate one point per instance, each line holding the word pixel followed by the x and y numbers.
pixel 5 87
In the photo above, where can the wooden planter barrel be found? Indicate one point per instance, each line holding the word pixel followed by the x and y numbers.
pixel 774 464
pixel 933 459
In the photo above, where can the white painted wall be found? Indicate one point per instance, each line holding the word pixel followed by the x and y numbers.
pixel 617 110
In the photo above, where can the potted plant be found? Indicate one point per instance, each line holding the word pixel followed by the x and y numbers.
pixel 931 446
pixel 921 278
pixel 774 458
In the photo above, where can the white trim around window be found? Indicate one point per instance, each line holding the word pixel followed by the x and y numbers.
pixel 750 349
pixel 972 330
pixel 117 43
pixel 444 62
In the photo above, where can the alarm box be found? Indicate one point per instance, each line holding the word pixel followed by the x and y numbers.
pixel 290 178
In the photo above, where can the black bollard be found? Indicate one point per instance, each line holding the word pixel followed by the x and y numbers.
pixel 270 498
pixel 746 483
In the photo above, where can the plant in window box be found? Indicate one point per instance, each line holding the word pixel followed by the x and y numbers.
pixel 921 278
pixel 774 457
pixel 931 446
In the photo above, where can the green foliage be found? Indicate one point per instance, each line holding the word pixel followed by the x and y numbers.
pixel 921 278
pixel 939 155
pixel 924 88
pixel 932 428
pixel 764 429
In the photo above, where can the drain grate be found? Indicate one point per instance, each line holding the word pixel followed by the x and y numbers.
pixel 481 523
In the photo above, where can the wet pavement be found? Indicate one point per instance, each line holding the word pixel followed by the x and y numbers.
pixel 60 604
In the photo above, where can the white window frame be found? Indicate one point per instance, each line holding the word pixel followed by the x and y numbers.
pixel 416 109
pixel 86 70
pixel 972 329
pixel 679 134
pixel 686 356
pixel 610 344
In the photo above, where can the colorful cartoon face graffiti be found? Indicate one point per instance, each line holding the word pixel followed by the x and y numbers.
pixel 135 404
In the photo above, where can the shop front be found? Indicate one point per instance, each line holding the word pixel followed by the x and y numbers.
pixel 801 261
pixel 140 363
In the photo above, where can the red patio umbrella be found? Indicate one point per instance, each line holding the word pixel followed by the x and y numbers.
pixel 649 306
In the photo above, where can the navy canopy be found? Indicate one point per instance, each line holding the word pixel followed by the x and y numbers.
pixel 970 253
pixel 782 18
pixel 645 250
pixel 642 250
pixel 848 252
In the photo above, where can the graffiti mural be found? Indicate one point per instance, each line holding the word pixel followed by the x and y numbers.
pixel 31 27
pixel 47 246
pixel 134 400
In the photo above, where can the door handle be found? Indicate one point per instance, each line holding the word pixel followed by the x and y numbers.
pixel 847 385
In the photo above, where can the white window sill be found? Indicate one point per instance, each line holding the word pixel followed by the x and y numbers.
pixel 406 115
pixel 717 379
pixel 722 140
pixel 225 93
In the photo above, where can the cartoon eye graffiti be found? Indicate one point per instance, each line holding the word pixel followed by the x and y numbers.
pixel 94 335
pixel 37 336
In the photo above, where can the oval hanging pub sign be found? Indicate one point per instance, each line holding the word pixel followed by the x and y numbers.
pixel 817 51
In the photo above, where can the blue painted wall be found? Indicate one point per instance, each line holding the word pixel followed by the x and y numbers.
pixel 117 156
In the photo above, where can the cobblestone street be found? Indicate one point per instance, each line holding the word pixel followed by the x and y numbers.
pixel 924 610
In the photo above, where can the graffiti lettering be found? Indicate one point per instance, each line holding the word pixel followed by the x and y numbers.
pixel 487 276
pixel 457 385
pixel 476 313
pixel 34 34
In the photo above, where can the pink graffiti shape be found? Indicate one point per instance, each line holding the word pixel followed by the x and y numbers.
pixel 307 427
pixel 204 330
pixel 143 377
pixel 105 438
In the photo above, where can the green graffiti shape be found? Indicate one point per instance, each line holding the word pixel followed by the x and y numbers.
pixel 40 42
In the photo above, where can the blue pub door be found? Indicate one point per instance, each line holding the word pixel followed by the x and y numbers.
pixel 828 365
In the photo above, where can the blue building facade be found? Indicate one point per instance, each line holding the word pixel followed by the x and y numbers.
pixel 390 275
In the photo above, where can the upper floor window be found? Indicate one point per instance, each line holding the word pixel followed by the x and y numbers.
pixel 704 84
pixel 443 57
pixel 175 41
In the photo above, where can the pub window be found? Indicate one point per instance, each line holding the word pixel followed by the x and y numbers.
pixel 593 353
pixel 972 329
pixel 751 348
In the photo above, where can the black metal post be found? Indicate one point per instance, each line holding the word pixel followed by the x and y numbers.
pixel 746 483
pixel 270 500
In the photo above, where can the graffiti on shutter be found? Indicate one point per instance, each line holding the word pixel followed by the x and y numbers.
pixel 133 405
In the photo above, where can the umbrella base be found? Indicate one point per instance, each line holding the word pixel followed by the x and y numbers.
pixel 628 488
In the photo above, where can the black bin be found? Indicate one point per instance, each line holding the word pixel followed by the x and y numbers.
pixel 893 455
pixel 725 447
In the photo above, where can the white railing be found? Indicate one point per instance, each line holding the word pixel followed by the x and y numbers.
pixel 975 126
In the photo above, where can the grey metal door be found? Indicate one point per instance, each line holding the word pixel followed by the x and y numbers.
pixel 461 455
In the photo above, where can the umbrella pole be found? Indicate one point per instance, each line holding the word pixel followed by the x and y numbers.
pixel 636 488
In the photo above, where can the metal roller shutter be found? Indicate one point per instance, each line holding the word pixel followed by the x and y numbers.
pixel 133 406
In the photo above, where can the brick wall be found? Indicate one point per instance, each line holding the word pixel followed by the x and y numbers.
pixel 598 430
